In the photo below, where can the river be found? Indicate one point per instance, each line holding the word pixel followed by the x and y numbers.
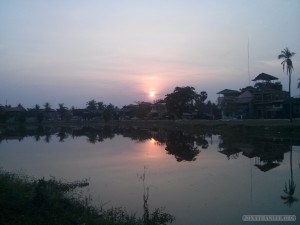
pixel 200 178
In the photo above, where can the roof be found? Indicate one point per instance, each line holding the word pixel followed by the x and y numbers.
pixel 15 109
pixel 246 94
pixel 228 91
pixel 245 97
pixel 265 77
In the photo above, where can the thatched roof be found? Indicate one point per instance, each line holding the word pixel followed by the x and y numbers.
pixel 15 109
pixel 228 91
pixel 245 97
pixel 265 77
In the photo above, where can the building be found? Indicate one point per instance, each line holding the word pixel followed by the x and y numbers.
pixel 158 110
pixel 14 114
pixel 227 103
pixel 265 100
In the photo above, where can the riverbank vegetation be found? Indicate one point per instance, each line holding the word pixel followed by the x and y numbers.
pixel 25 200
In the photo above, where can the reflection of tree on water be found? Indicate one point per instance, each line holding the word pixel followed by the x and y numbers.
pixel 182 146
pixel 158 217
pixel 40 132
pixel 232 144
pixel 136 134
pixel 94 135
pixel 62 134
pixel 47 138
pixel 289 188
pixel 268 154
pixel 13 133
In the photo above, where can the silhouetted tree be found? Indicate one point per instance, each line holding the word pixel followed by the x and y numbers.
pixel 36 112
pixel 91 105
pixel 108 112
pixel 47 107
pixel 100 105
pixel 62 110
pixel 201 106
pixel 142 109
pixel 203 96
pixel 286 56
pixel 182 100
pixel 213 109
pixel 37 107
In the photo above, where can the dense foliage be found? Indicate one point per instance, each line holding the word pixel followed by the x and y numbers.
pixel 184 100
pixel 29 201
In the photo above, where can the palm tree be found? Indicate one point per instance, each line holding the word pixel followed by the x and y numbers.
pixel 37 107
pixel 47 107
pixel 286 56
pixel 47 110
pixel 62 110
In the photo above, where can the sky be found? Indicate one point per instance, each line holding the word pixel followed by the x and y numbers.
pixel 124 51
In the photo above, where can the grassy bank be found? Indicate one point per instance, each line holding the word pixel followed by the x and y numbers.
pixel 24 200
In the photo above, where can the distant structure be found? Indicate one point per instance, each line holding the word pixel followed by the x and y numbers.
pixel 264 100
pixel 265 77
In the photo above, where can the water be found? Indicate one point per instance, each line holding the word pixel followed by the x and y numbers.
pixel 198 178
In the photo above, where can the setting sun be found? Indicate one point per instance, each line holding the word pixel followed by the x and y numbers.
pixel 152 94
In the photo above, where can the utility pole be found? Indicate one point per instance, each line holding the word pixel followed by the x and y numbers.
pixel 248 64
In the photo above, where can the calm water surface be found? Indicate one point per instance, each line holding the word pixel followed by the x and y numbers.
pixel 198 178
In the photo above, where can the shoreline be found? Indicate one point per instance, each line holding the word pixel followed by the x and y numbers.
pixel 270 127
pixel 182 122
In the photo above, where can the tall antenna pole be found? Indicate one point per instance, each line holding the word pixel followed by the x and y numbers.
pixel 248 65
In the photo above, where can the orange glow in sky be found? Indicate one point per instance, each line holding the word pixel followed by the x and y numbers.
pixel 138 51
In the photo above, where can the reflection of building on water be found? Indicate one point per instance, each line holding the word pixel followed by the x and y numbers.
pixel 267 154
pixel 270 157
pixel 270 154
pixel 265 166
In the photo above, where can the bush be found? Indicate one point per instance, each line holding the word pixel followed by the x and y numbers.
pixel 24 200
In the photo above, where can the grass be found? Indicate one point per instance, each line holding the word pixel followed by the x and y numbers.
pixel 25 200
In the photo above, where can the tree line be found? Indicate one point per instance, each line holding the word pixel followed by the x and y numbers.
pixel 183 101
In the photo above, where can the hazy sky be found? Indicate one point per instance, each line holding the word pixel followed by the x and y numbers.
pixel 118 51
